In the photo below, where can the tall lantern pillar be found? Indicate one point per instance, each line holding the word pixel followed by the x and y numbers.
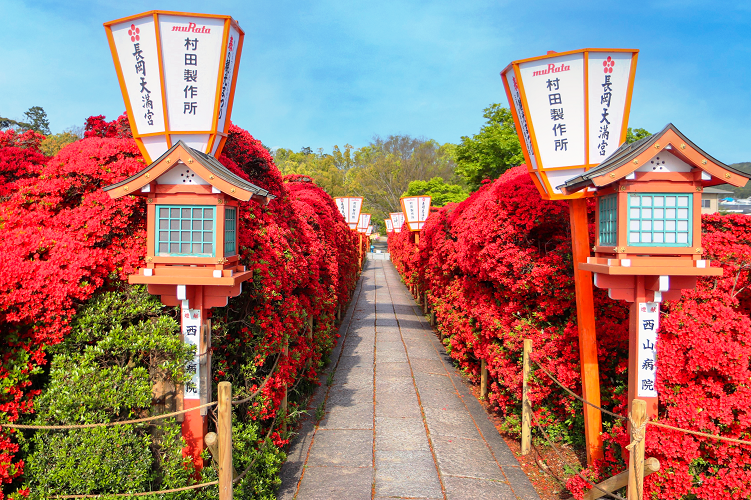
pixel 362 229
pixel 571 112
pixel 177 72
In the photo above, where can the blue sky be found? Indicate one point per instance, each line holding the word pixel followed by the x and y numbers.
pixel 334 72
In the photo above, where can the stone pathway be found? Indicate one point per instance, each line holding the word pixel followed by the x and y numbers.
pixel 399 421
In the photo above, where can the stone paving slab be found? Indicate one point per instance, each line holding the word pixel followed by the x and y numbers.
pixel 399 420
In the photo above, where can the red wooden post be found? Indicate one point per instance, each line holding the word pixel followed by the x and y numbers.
pixel 633 351
pixel 585 312
pixel 195 426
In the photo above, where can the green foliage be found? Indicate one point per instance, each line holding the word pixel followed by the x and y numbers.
pixel 740 192
pixel 635 134
pixel 55 142
pixel 383 170
pixel 492 151
pixel 439 191
pixel 328 171
pixel 262 480
pixel 37 119
pixel 103 373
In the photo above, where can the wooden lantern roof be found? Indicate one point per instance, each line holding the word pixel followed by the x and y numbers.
pixel 205 166
pixel 628 158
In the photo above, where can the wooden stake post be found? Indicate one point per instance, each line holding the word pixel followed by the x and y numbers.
pixel 526 407
pixel 224 426
pixel 636 457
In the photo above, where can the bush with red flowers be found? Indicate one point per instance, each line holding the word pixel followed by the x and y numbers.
pixel 497 269
pixel 65 240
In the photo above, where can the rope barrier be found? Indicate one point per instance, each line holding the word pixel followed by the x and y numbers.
pixel 649 422
pixel 105 424
pixel 560 457
pixel 143 494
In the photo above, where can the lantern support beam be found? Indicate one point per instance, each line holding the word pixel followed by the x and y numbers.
pixel 585 312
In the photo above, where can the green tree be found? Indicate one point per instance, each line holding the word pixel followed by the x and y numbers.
pixel 382 170
pixel 53 143
pixel 37 120
pixel 492 151
pixel 635 134
pixel 439 191
pixel 326 170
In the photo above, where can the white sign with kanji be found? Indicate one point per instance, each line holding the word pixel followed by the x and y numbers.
pixel 416 210
pixel 397 218
pixel 649 321
pixel 191 327
pixel 362 225
pixel 389 225
pixel 350 208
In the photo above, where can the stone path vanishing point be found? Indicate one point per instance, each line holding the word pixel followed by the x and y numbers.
pixel 399 422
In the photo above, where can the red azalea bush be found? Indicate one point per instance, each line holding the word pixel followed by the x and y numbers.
pixel 65 239
pixel 497 269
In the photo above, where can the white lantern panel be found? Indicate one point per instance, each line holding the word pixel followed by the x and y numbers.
pixel 558 177
pixel 411 213
pixel 191 52
pixel 155 145
pixel 195 141
pixel 513 86
pixel 228 70
pixel 353 214
pixel 554 88
pixel 608 74
pixel 137 56
pixel 542 184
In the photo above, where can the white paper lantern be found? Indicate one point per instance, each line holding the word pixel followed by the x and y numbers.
pixel 571 111
pixel 416 210
pixel 350 208
pixel 177 73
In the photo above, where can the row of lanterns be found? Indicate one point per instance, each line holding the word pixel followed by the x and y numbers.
pixel 178 72
pixel 415 211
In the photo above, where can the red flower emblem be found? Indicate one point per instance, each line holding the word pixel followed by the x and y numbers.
pixel 133 32
pixel 608 63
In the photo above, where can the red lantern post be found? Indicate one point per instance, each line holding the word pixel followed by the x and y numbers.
pixel 571 112
pixel 177 72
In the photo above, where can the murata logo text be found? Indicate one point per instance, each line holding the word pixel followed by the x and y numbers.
pixel 552 68
pixel 192 28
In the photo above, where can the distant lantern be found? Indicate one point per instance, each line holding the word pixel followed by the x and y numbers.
pixel 571 112
pixel 369 231
pixel 350 208
pixel 177 73
pixel 397 219
pixel 362 226
pixel 648 235
pixel 389 225
pixel 416 210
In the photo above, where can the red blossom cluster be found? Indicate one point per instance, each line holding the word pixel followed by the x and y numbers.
pixel 498 269
pixel 64 239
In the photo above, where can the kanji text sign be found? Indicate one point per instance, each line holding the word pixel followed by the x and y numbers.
pixel 649 321
pixel 177 74
pixel 397 219
pixel 364 222
pixel 389 225
pixel 350 208
pixel 416 210
pixel 570 110
pixel 191 327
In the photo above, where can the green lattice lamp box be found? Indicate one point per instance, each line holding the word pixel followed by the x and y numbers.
pixel 648 207
pixel 192 224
